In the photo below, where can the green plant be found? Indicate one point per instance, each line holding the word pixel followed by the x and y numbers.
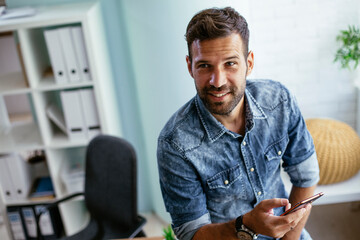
pixel 349 52
pixel 168 233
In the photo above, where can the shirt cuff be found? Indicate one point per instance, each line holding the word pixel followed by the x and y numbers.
pixel 187 230
pixel 304 174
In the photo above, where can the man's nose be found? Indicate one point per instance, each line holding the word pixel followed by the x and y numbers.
pixel 218 78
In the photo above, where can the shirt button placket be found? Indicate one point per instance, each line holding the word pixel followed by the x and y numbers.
pixel 253 177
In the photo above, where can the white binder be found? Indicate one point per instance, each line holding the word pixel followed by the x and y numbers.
pixel 73 114
pixel 56 116
pixel 45 223
pixel 81 54
pixel 5 180
pixel 91 116
pixel 30 221
pixel 57 60
pixel 68 48
pixel 16 225
pixel 20 173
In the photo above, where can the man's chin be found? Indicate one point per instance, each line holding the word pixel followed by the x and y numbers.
pixel 219 109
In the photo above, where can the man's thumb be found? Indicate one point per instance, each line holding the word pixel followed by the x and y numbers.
pixel 269 204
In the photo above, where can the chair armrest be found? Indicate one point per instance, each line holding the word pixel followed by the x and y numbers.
pixel 139 226
pixel 64 199
pixel 49 206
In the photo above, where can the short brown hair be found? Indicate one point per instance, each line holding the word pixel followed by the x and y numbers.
pixel 215 23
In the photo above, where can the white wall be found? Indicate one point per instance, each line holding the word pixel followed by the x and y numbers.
pixel 294 42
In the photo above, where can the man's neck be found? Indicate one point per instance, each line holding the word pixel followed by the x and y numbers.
pixel 235 121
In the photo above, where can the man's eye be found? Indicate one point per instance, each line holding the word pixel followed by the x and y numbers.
pixel 230 63
pixel 204 65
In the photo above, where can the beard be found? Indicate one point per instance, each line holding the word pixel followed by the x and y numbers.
pixel 223 107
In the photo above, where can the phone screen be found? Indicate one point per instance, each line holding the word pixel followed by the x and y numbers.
pixel 303 203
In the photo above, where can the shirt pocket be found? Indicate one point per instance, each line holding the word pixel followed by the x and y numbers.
pixel 274 153
pixel 226 185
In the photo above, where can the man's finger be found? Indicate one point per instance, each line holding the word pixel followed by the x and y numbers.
pixel 297 215
pixel 269 204
pixel 288 206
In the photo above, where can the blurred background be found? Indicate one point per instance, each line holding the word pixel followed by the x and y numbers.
pixel 294 42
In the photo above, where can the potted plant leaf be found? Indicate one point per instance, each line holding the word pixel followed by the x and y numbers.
pixel 168 233
pixel 349 52
pixel 349 56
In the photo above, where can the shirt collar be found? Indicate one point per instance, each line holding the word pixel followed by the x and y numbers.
pixel 214 129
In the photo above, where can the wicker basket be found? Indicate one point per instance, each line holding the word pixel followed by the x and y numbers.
pixel 337 147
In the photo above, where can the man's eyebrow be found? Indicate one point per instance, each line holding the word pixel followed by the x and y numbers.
pixel 232 57
pixel 201 61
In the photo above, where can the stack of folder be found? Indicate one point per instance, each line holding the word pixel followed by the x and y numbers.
pixel 80 112
pixel 68 56
pixel 79 119
pixel 23 224
pixel 15 177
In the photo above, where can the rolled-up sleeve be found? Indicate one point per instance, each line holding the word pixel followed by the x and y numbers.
pixel 305 173
pixel 187 230
pixel 300 160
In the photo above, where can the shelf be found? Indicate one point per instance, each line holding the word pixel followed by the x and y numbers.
pixel 28 201
pixel 48 84
pixel 60 140
pixel 48 16
pixel 13 83
pixel 39 132
pixel 346 191
pixel 20 137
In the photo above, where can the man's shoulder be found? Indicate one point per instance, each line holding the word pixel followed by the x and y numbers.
pixel 267 91
pixel 184 126
pixel 261 85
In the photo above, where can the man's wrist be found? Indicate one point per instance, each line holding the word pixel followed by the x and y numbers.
pixel 242 231
pixel 246 221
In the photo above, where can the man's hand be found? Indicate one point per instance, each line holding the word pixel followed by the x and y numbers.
pixel 263 221
pixel 297 194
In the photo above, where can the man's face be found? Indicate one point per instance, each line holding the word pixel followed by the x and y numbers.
pixel 219 69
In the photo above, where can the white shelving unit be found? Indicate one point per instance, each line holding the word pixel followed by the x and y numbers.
pixel 41 134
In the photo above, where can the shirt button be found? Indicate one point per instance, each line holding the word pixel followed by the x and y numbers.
pixel 226 182
pixel 279 153
pixel 244 143
pixel 259 193
pixel 252 169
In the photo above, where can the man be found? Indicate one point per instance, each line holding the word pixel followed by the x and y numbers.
pixel 219 156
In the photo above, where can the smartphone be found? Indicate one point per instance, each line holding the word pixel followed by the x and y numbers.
pixel 303 203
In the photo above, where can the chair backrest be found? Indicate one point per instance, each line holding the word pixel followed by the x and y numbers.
pixel 110 181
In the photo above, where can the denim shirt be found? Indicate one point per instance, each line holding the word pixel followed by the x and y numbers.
pixel 209 174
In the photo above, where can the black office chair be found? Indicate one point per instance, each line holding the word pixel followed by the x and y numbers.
pixel 110 191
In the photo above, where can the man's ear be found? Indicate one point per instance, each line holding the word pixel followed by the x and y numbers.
pixel 189 65
pixel 250 63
